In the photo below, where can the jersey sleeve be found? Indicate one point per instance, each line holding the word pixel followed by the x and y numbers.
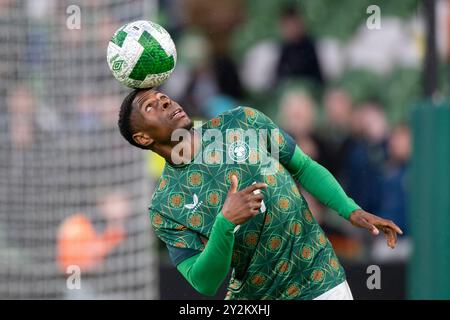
pixel 321 184
pixel 207 270
pixel 279 143
pixel 182 243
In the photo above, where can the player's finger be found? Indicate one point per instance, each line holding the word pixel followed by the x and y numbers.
pixel 254 211
pixel 391 237
pixel 256 186
pixel 255 204
pixel 394 239
pixel 234 184
pixel 393 226
pixel 365 224
pixel 257 197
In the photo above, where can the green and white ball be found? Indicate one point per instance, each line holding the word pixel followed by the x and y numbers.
pixel 141 54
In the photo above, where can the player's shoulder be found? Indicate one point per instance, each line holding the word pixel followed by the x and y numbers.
pixel 236 111
pixel 240 113
pixel 240 110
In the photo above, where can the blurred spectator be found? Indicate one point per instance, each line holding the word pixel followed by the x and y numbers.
pixel 338 108
pixel 393 200
pixel 298 113
pixel 212 73
pixel 298 117
pixel 336 129
pixel 258 68
pixel 107 115
pixel 86 115
pixel 393 188
pixel 80 244
pixel 205 83
pixel 16 159
pixel 298 57
pixel 365 157
pixel 21 108
pixel 218 19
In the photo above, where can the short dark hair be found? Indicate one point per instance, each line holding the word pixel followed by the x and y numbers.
pixel 126 128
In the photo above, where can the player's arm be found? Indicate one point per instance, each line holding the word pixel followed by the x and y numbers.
pixel 207 270
pixel 318 181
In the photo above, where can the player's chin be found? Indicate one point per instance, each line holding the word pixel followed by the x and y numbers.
pixel 186 123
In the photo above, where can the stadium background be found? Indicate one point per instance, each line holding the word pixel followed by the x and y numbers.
pixel 73 192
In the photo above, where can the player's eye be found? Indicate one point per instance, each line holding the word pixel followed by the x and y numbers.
pixel 148 107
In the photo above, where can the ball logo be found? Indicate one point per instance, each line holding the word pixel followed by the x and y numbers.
pixel 238 151
pixel 117 65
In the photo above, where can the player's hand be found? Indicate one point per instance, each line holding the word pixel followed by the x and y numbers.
pixel 374 224
pixel 241 206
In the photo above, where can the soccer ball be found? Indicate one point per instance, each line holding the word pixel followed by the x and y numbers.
pixel 141 54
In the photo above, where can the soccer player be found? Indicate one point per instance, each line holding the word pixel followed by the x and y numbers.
pixel 225 201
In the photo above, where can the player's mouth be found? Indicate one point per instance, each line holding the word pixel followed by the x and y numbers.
pixel 177 114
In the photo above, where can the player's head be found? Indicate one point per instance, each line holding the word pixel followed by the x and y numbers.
pixel 148 117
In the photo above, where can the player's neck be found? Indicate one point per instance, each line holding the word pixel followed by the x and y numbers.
pixel 182 152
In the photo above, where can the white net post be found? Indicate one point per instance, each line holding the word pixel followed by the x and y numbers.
pixel 61 153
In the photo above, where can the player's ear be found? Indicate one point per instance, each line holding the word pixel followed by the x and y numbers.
pixel 143 139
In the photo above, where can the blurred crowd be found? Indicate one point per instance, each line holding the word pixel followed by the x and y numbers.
pixel 367 156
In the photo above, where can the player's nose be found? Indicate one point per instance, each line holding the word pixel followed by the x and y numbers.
pixel 164 100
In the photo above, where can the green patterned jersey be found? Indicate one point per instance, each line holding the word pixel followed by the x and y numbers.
pixel 282 253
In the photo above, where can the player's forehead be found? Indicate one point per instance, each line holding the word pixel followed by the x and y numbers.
pixel 143 96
